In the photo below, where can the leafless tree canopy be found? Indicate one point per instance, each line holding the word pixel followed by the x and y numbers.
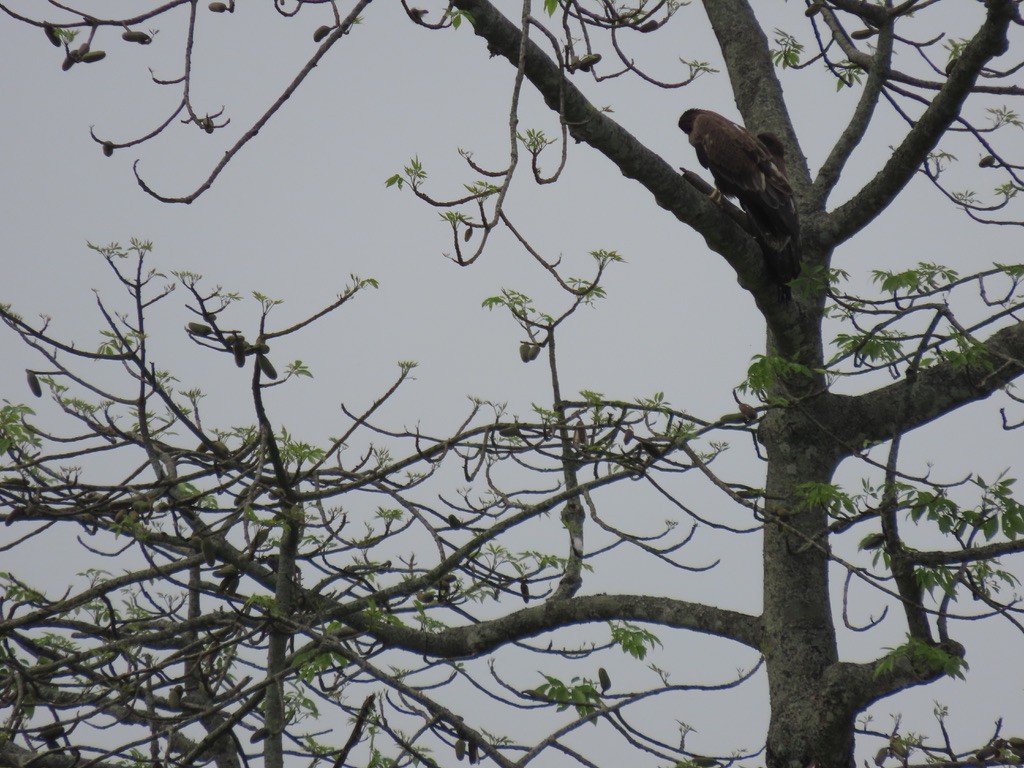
pixel 247 598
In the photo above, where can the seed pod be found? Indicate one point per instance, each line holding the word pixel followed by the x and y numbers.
pixel 585 63
pixel 986 162
pixel 33 383
pixel 649 26
pixel 238 349
pixel 52 35
pixel 50 734
pixel 579 438
pixel 209 556
pixel 199 329
pixel 986 753
pixel 321 33
pixel 454 522
pixel 510 432
pixel 266 366
pixel 108 148
pixel 467 235
pixel 69 62
pixel 14 514
pixel 259 735
pixel 474 756
pixel 460 749
pixel 218 7
pixel 227 569
pixel 950 65
pixel 426 597
pixel 136 36
pixel 524 590
pixel 229 585
pixel 263 348
pixel 174 697
pixel 80 51
pixel 812 10
pixel 881 755
pixel 604 679
pixel 259 539
pixel 627 436
pixel 864 34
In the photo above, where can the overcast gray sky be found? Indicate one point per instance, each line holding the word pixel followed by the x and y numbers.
pixel 304 205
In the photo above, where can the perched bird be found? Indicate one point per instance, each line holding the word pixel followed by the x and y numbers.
pixel 753 170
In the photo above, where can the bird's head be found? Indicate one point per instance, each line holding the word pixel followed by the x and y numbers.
pixel 688 118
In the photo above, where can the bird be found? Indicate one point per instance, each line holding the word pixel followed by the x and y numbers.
pixel 751 169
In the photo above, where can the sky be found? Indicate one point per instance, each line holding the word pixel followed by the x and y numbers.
pixel 304 205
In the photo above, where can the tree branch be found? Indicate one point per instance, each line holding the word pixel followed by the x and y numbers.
pixel 989 42
pixel 478 639
pixel 934 391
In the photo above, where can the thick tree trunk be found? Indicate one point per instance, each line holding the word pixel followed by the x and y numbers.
pixel 800 640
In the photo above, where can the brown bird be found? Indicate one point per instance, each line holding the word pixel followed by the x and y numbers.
pixel 753 170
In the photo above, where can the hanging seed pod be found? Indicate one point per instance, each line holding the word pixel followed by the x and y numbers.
pixel 321 33
pixel 467 235
pixel 209 556
pixel 460 749
pixel 108 148
pixel 263 348
pixel 33 383
pixel 238 350
pixel 627 436
pixel 579 438
pixel 454 522
pixel 52 35
pixel 426 597
pixel 604 679
pixel 864 34
pixel 91 57
pixel 69 62
pixel 812 10
pixel 649 26
pixel 266 366
pixel 136 36
pixel 218 7
pixel 950 65
pixel 474 755
pixel 881 755
pixel 229 585
pixel 259 735
pixel 199 329
pixel 174 697
pixel 986 162
pixel 226 570
pixel 80 51
pixel 524 590
pixel 50 733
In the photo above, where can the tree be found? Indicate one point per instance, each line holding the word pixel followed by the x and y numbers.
pixel 391 575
